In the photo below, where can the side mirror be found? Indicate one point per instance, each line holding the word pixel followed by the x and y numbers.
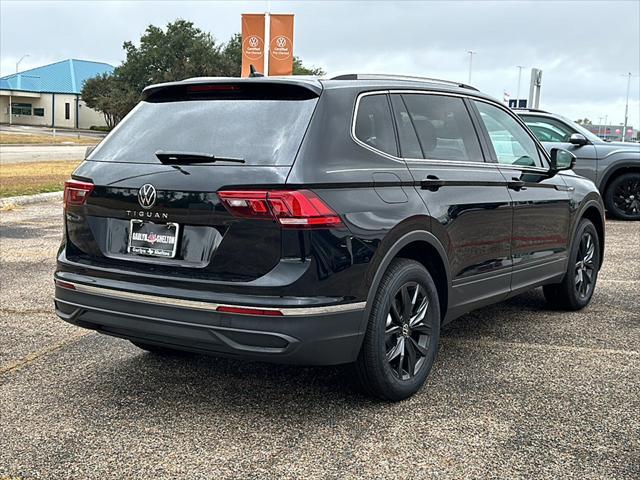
pixel 578 139
pixel 562 159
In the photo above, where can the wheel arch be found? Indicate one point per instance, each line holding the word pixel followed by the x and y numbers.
pixel 423 247
pixel 615 171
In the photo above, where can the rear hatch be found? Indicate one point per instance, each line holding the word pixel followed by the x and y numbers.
pixel 151 204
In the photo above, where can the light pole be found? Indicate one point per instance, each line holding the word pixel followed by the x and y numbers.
pixel 519 67
pixel 19 61
pixel 471 54
pixel 626 107
pixel 600 125
pixel 10 107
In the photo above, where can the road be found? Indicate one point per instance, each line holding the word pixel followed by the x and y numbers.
pixel 35 130
pixel 41 153
pixel 517 391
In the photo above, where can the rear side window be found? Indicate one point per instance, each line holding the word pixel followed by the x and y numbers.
pixel 444 127
pixel 374 125
pixel 260 131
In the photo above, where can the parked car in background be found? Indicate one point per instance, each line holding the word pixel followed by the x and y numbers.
pixel 613 166
pixel 320 222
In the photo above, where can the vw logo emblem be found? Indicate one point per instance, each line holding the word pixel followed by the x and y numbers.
pixel 281 42
pixel 253 41
pixel 147 196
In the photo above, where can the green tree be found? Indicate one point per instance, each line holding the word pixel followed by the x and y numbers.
pixel 232 56
pixel 584 121
pixel 300 69
pixel 107 95
pixel 181 51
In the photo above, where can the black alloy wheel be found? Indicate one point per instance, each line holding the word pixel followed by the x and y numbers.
pixel 407 336
pixel 401 340
pixel 585 266
pixel 623 197
pixel 576 289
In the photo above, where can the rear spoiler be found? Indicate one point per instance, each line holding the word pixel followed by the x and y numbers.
pixel 233 88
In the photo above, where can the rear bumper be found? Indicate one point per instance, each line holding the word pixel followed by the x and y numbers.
pixel 306 335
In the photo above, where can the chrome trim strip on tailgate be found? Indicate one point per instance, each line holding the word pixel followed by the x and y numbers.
pixel 200 305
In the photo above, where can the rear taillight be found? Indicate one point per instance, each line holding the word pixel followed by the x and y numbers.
pixel 76 192
pixel 61 284
pixel 290 208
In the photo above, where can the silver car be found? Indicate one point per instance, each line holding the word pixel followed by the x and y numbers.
pixel 613 166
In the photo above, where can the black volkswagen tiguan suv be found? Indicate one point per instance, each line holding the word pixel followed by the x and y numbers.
pixel 320 222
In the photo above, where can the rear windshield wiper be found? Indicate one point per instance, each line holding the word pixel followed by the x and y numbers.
pixel 186 158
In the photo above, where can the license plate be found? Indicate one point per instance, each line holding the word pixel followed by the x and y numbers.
pixel 153 239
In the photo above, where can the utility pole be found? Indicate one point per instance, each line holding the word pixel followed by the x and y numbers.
pixel 519 67
pixel 626 107
pixel 471 54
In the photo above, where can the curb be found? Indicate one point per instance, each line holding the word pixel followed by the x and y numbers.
pixel 30 199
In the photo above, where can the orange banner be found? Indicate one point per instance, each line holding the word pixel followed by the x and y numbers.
pixel 252 42
pixel 281 45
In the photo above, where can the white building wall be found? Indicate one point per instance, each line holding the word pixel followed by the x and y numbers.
pixel 86 116
pixel 4 109
pixel 59 107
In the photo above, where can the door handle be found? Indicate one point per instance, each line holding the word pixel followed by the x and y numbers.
pixel 431 183
pixel 516 184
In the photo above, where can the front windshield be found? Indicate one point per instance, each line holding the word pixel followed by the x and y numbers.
pixel 590 136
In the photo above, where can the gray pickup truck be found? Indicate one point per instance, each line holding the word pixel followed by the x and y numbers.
pixel 613 166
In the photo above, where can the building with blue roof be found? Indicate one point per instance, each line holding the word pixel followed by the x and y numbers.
pixel 51 95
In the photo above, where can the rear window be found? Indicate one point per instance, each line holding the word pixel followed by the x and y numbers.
pixel 260 131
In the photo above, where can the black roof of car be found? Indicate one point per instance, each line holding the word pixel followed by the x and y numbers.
pixel 318 84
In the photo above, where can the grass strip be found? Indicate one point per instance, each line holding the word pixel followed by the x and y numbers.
pixel 34 177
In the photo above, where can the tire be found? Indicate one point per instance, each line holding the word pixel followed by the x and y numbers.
pixel 576 289
pixel 156 349
pixel 622 197
pixel 404 335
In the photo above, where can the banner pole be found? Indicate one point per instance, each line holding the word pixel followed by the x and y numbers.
pixel 267 36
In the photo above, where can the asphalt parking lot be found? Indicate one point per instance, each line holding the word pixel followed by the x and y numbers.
pixel 517 392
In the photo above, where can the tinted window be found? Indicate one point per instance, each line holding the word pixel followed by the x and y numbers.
pixel 548 129
pixel 262 132
pixel 20 109
pixel 444 127
pixel 409 145
pixel 511 142
pixel 373 124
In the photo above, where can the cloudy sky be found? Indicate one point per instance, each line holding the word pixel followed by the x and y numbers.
pixel 583 48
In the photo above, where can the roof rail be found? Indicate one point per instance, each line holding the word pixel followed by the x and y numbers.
pixel 407 78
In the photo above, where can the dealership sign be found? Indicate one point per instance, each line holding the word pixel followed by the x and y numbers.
pixel 252 42
pixel 280 46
